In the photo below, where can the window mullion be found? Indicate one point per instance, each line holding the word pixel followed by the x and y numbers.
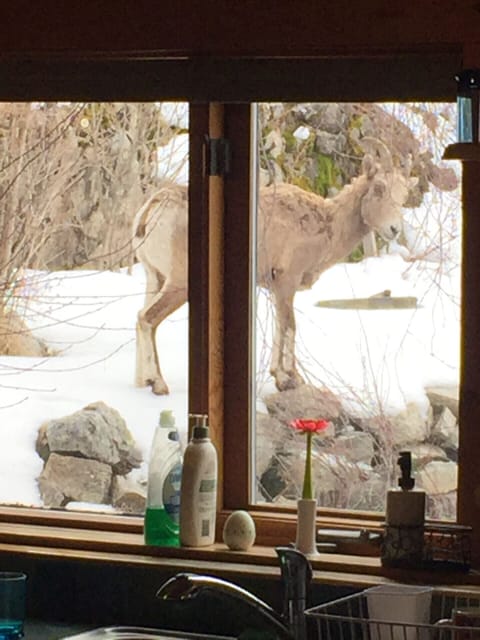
pixel 237 321
pixel 198 261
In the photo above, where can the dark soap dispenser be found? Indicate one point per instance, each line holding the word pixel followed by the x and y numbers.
pixel 405 519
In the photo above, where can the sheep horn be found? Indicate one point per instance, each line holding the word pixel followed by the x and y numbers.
pixel 373 145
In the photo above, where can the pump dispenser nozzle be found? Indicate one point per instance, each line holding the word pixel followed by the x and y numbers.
pixel 405 482
pixel 200 427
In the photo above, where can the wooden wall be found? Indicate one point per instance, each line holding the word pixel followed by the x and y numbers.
pixel 238 27
pixel 36 29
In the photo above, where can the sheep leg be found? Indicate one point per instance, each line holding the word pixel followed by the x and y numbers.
pixel 283 364
pixel 159 307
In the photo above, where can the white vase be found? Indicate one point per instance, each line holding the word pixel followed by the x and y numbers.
pixel 306 526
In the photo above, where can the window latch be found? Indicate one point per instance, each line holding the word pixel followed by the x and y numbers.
pixel 218 156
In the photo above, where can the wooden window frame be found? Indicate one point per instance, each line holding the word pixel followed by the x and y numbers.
pixel 220 325
pixel 277 526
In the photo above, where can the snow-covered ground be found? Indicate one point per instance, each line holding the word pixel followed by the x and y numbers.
pixel 89 317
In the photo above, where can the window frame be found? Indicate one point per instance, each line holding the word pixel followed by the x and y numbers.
pixel 469 406
pixel 219 237
pixel 275 525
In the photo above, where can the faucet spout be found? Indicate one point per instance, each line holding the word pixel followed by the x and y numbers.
pixel 185 586
pixel 296 573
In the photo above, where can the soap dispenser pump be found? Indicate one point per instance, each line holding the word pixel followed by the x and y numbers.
pixel 405 519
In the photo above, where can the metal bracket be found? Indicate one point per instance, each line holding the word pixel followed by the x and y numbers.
pixel 218 156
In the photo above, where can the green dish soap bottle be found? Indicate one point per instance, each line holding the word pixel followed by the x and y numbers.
pixel 162 513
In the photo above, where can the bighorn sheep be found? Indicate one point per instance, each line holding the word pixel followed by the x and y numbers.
pixel 300 235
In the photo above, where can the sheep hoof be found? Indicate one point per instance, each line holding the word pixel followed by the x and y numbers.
pixel 159 387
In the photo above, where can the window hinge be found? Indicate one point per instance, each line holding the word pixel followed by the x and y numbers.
pixel 218 156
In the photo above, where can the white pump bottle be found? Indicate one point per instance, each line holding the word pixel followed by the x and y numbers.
pixel 198 500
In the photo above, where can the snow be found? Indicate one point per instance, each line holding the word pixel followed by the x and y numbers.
pixel 386 356
pixel 377 358
pixel 89 317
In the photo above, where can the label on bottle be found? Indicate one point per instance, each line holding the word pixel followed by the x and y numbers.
pixel 206 505
pixel 171 492
pixel 205 531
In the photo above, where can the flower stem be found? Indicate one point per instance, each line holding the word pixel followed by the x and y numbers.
pixel 307 493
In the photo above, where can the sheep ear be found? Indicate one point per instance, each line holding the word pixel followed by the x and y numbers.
pixel 369 166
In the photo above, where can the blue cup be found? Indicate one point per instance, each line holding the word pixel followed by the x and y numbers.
pixel 12 604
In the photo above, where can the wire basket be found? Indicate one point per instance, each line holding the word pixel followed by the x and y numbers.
pixel 348 619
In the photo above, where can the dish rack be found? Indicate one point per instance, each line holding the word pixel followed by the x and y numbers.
pixel 347 619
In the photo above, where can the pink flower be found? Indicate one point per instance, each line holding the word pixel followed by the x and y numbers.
pixel 309 427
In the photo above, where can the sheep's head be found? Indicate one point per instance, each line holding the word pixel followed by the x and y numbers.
pixel 387 191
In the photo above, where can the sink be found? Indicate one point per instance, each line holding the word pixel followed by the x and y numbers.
pixel 122 633
pixel 141 633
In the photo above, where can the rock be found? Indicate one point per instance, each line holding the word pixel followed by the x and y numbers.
pixel 305 401
pixel 442 507
pixel 368 495
pixel 272 484
pixel 66 478
pixel 438 477
pixel 97 432
pixel 332 475
pixel 424 453
pixel 446 396
pixel 41 445
pixel 326 142
pixel 128 495
pixel 356 446
pixel 270 435
pixel 16 339
pixel 445 429
pixel 274 143
pixel 405 428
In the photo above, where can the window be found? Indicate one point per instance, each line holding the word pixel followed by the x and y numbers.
pixel 220 364
pixel 358 300
pixel 241 492
pixel 77 264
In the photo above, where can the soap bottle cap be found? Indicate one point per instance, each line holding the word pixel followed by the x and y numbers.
pixel 200 427
pixel 167 421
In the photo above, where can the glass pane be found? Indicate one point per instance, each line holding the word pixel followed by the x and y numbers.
pixel 358 231
pixel 77 264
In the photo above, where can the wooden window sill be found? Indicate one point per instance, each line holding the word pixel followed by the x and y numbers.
pixel 46 541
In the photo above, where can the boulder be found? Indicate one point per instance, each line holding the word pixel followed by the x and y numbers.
pixel 368 495
pixel 86 455
pixel 97 432
pixel 438 477
pixel 424 453
pixel 444 396
pixel 445 429
pixel 128 495
pixel 16 339
pixel 270 437
pixel 305 401
pixel 66 478
pixel 356 446
pixel 404 428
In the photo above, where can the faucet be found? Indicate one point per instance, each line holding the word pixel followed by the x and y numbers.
pixel 296 573
pixel 294 568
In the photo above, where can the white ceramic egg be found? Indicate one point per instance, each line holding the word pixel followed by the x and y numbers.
pixel 239 531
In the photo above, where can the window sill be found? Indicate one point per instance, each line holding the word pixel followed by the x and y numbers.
pixel 50 539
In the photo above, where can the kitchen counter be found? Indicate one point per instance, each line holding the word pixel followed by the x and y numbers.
pixel 41 630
